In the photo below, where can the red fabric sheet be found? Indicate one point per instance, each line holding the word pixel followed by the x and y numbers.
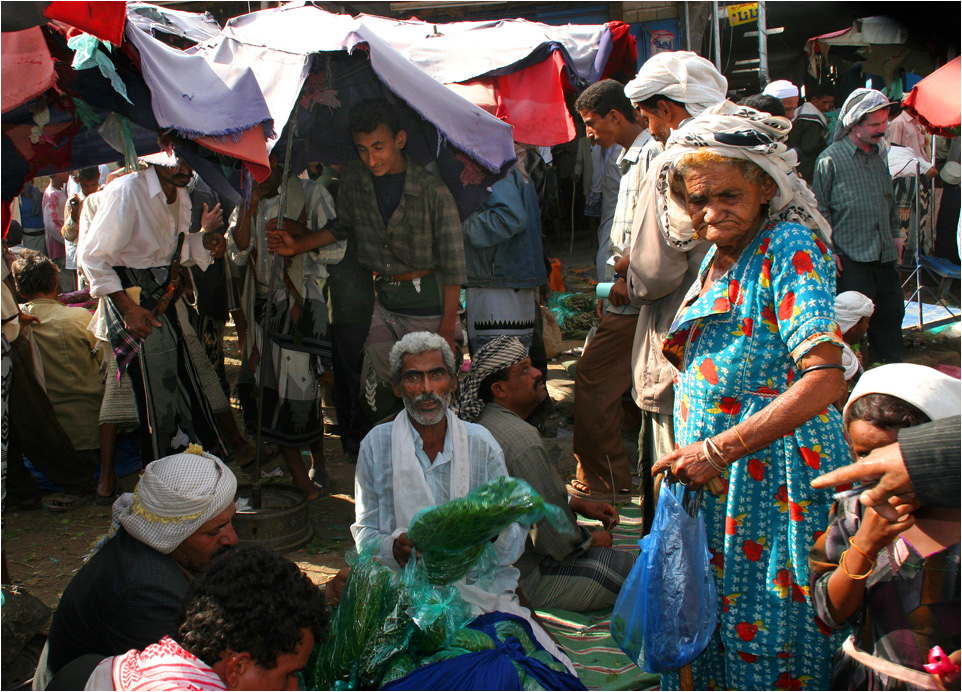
pixel 937 100
pixel 530 100
pixel 105 20
pixel 251 148
pixel 27 67
pixel 623 60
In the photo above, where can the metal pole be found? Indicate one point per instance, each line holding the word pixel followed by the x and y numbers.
pixel 716 34
pixel 687 28
pixel 762 46
pixel 272 263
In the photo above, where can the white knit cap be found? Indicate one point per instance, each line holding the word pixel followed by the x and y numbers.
pixel 681 76
pixel 935 394
pixel 850 307
pixel 176 495
pixel 781 89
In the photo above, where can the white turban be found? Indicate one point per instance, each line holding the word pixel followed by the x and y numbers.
pixel 859 103
pixel 176 495
pixel 851 306
pixel 680 76
pixel 935 394
pixel 739 132
pixel 781 89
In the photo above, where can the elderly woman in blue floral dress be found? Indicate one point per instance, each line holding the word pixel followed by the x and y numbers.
pixel 757 350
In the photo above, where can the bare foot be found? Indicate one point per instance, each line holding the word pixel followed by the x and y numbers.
pixel 244 454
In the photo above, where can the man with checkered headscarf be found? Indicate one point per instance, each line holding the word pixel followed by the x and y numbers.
pixel 855 194
pixel 576 569
pixel 127 596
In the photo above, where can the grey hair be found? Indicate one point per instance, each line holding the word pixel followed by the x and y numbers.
pixel 416 343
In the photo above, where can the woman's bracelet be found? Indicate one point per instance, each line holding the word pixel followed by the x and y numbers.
pixel 741 439
pixel 853 577
pixel 704 447
pixel 823 366
pixel 851 542
pixel 715 448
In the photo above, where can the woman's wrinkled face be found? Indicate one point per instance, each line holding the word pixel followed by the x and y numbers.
pixel 725 207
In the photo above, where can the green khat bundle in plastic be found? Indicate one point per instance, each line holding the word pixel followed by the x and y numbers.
pixel 451 536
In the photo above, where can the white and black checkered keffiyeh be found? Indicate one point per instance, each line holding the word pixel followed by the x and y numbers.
pixel 859 103
pixel 175 496
pixel 737 132
pixel 496 355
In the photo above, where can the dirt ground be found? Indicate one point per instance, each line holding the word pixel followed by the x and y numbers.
pixel 44 550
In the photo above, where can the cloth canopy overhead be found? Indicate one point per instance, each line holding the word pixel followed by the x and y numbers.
pixel 459 51
pixel 937 100
pixel 880 43
pixel 517 69
pixel 313 66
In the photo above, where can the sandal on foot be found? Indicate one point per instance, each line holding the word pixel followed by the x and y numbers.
pixel 61 502
pixel 107 500
pixel 577 488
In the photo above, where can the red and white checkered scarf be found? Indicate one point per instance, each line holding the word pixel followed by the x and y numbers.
pixel 163 666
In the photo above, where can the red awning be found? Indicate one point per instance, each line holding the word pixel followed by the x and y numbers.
pixel 937 100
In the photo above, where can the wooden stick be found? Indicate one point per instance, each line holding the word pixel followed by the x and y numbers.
pixel 685 681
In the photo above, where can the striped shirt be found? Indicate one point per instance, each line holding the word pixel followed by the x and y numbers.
pixel 634 165
pixel 855 194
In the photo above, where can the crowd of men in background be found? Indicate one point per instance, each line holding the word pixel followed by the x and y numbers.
pixel 372 255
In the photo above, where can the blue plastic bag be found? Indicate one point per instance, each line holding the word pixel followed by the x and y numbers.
pixel 666 612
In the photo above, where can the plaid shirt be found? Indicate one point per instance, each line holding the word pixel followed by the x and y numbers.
pixel 855 194
pixel 526 458
pixel 423 233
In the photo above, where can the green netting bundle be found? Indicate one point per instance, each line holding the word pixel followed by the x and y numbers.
pixel 452 536
pixel 575 312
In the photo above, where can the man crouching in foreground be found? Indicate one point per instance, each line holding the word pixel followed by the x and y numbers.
pixel 248 622
pixel 435 457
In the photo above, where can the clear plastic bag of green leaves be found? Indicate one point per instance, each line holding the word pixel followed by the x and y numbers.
pixel 452 536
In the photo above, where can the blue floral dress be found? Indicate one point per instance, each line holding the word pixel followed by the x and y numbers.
pixel 735 350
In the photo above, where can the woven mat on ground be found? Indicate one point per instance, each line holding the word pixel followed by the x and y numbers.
pixel 600 664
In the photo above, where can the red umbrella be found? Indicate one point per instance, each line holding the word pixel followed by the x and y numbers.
pixel 937 100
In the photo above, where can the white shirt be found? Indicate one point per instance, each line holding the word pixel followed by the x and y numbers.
pixel 374 494
pixel 135 227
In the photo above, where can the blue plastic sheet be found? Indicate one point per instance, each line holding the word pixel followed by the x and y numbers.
pixel 667 609
pixel 500 668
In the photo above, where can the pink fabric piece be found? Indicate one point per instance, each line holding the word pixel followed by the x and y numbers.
pixel 163 666
pixel 27 67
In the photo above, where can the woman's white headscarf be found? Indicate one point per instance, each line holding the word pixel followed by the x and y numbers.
pixel 935 394
pixel 736 132
pixel 858 104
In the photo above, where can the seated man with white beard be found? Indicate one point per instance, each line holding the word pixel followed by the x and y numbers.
pixel 426 457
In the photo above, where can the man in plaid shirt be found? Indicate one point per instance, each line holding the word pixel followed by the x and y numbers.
pixel 406 227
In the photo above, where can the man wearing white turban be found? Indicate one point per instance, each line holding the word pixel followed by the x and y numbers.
pixel 855 194
pixel 853 311
pixel 128 595
pixel 670 88
pixel 787 93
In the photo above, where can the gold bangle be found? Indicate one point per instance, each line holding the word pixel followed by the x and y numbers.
pixel 741 439
pixel 853 577
pixel 851 542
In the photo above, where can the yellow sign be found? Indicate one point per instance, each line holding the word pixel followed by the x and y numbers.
pixel 743 14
